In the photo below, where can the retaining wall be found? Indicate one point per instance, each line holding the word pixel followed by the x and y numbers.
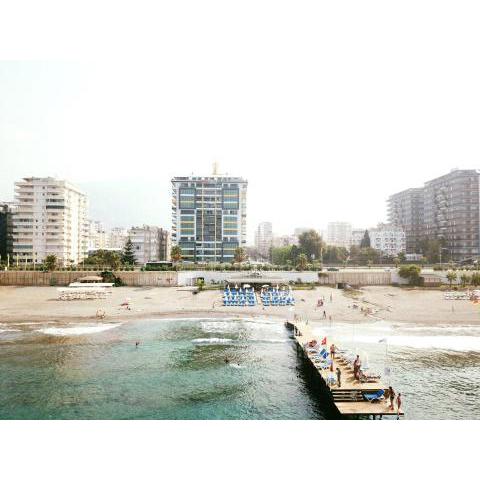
pixel 134 279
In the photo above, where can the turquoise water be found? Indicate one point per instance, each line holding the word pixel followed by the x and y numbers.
pixel 50 371
pixel 94 371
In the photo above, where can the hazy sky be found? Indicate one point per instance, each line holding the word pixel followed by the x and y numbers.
pixel 325 107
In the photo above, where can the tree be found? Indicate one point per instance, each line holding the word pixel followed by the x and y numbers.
pixel 240 255
pixel 464 278
pixel 104 258
pixel 431 248
pixel 334 254
pixel 451 277
pixel 176 253
pixel 50 262
pixel 411 272
pixel 402 257
pixel 302 262
pixel 311 244
pixel 281 255
pixel 365 243
pixel 200 284
pixel 396 261
pixel 128 255
pixel 475 280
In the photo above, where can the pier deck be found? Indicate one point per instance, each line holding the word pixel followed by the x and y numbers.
pixel 348 398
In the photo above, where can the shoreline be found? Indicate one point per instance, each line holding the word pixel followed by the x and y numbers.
pixel 370 304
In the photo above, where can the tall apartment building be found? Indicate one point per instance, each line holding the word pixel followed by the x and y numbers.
pixel 447 208
pixel 209 217
pixel 452 213
pixel 264 238
pixel 339 234
pixel 150 244
pixel 6 230
pixel 50 219
pixel 406 210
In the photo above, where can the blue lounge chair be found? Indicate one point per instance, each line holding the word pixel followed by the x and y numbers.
pixel 376 396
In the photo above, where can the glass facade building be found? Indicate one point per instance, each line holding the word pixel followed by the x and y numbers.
pixel 209 217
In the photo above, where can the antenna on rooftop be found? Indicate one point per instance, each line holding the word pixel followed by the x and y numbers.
pixel 215 169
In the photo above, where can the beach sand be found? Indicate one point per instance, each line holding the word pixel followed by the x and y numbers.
pixel 392 304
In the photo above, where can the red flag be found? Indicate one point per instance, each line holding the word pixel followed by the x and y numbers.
pixel 324 341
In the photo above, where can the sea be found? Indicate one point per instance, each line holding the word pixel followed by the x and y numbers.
pixel 223 368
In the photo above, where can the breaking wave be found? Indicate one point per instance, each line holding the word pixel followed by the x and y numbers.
pixel 211 341
pixel 83 330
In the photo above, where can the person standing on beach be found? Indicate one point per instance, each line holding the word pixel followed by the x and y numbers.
pixel 399 404
pixel 339 377
pixel 332 350
pixel 324 314
pixel 331 298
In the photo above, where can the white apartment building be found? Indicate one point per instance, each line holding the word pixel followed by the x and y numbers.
pixel 150 244
pixel 117 237
pixel 385 237
pixel 339 234
pixel 264 238
pixel 98 236
pixel 51 219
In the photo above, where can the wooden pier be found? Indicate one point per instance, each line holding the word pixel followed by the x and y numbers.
pixel 348 399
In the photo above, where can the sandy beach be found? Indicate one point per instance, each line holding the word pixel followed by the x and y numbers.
pixel 393 304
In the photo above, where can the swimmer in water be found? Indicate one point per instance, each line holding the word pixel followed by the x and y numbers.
pixel 227 360
pixel 137 344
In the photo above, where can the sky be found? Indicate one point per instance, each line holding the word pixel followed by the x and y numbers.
pixel 326 108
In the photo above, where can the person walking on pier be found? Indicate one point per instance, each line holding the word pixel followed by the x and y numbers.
pixel 391 396
pixel 324 314
pixel 339 377
pixel 399 404
pixel 356 368
pixel 332 350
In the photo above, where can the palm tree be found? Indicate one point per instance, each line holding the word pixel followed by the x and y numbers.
pixel 464 278
pixel 302 262
pixel 176 253
pixel 475 279
pixel 240 255
pixel 451 277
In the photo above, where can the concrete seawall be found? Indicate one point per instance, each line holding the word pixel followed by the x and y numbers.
pixel 131 279
pixel 356 278
pixel 184 278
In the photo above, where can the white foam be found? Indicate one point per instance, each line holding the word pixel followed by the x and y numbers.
pixel 461 343
pixel 269 340
pixel 211 341
pixel 3 330
pixel 83 330
pixel 31 323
